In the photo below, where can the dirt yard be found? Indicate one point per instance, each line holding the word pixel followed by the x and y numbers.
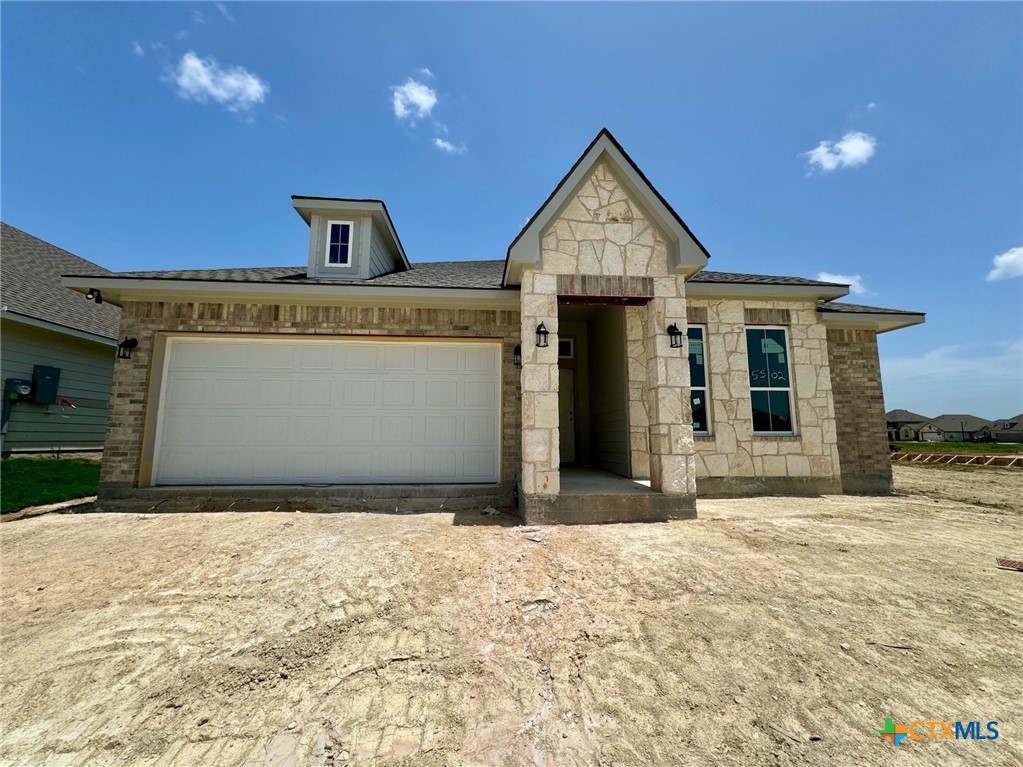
pixel 770 631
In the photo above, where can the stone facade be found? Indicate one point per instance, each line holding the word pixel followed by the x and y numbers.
pixel 734 461
pixel 859 412
pixel 131 412
pixel 602 233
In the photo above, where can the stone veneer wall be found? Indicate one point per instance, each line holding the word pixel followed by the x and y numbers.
pixel 143 320
pixel 602 232
pixel 732 461
pixel 859 412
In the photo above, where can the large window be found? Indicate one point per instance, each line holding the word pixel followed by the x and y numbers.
pixel 769 380
pixel 339 243
pixel 698 379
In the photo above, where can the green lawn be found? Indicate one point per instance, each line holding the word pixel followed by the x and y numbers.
pixel 961 448
pixel 33 481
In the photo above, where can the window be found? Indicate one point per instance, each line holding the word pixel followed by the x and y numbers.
pixel 566 348
pixel 339 243
pixel 769 381
pixel 698 380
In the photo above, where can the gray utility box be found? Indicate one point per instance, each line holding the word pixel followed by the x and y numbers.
pixel 45 381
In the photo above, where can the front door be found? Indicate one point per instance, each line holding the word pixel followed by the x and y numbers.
pixel 566 408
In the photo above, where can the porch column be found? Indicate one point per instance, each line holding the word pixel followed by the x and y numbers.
pixel 672 452
pixel 541 447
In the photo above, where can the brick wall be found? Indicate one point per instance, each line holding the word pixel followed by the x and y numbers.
pixel 859 412
pixel 146 320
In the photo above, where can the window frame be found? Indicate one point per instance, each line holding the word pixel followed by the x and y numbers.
pixel 704 432
pixel 790 389
pixel 351 243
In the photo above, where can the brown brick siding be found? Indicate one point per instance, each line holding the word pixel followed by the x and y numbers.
pixel 768 316
pixel 605 286
pixel 144 320
pixel 859 411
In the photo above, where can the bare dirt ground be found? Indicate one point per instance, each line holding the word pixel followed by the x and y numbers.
pixel 295 639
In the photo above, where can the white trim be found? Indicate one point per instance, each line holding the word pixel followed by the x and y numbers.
pixel 351 236
pixel 882 323
pixel 571 348
pixel 762 290
pixel 7 314
pixel 788 370
pixel 706 432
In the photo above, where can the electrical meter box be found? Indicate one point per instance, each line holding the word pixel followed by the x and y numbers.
pixel 45 381
pixel 17 390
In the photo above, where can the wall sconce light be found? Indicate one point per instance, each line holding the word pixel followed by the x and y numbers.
pixel 94 295
pixel 124 348
pixel 675 335
pixel 541 336
pixel 517 356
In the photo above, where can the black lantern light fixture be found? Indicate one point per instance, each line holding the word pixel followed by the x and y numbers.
pixel 94 295
pixel 541 336
pixel 517 356
pixel 675 335
pixel 124 348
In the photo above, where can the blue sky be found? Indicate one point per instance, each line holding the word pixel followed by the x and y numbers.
pixel 882 142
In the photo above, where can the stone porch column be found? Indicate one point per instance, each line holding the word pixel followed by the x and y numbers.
pixel 541 447
pixel 672 450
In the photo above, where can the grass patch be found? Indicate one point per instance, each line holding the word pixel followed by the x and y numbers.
pixel 34 481
pixel 962 448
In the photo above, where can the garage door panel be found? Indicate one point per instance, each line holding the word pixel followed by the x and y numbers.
pixel 343 412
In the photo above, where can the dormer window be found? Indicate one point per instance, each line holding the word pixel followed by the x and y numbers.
pixel 339 243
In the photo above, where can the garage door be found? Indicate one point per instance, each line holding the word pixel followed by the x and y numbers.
pixel 312 411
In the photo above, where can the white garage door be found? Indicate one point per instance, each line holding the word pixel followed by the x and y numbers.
pixel 311 411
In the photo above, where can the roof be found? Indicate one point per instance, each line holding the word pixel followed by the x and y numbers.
pixel 832 306
pixel 1012 421
pixel 305 205
pixel 959 422
pixel 30 272
pixel 904 416
pixel 429 274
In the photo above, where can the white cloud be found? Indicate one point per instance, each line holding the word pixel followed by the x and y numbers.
pixel 448 147
pixel 413 101
pixel 198 17
pixel 224 12
pixel 1007 265
pixel 979 378
pixel 871 106
pixel 203 80
pixel 425 72
pixel 853 149
pixel 137 50
pixel 854 281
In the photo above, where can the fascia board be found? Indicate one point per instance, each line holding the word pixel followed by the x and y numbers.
pixel 882 323
pixel 117 290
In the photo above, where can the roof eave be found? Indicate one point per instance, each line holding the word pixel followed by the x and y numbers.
pixel 878 321
pixel 763 290
pixel 56 327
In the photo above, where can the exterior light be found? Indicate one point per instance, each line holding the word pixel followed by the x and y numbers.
pixel 675 335
pixel 94 295
pixel 517 355
pixel 541 336
pixel 124 348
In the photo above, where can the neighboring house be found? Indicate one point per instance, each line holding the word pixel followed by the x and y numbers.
pixel 599 341
pixel 60 346
pixel 901 424
pixel 1005 429
pixel 959 427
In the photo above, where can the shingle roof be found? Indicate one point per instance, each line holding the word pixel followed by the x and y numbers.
pixel 30 271
pixel 1013 421
pixel 959 422
pixel 832 306
pixel 436 274
pixel 904 416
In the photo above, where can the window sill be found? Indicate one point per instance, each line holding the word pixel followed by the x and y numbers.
pixel 785 436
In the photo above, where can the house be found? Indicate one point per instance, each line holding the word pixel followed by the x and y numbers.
pixel 56 349
pixel 599 347
pixel 901 425
pixel 958 427
pixel 1004 429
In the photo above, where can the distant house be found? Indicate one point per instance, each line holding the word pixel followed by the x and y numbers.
pixel 959 427
pixel 1005 429
pixel 904 425
pixel 57 352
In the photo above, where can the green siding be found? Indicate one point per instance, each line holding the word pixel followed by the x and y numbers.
pixel 86 369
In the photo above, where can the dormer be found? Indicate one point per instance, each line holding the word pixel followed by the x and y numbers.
pixel 350 239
